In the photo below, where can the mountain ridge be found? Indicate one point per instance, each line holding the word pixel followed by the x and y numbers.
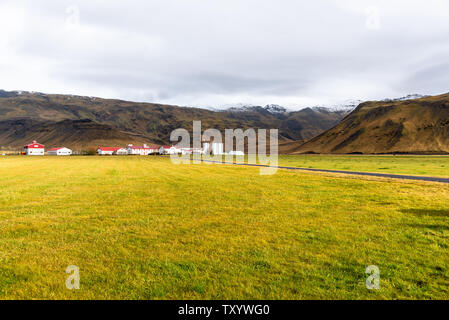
pixel 148 121
pixel 389 126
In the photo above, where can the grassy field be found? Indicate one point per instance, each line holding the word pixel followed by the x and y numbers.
pixel 143 228
pixel 437 166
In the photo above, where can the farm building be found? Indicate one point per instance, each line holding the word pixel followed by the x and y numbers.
pixel 34 149
pixel 63 151
pixel 106 151
pixel 142 150
pixel 121 152
pixel 169 150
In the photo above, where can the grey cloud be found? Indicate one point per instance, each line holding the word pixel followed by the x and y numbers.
pixel 216 52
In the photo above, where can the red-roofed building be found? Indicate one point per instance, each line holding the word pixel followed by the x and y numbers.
pixel 106 151
pixel 34 149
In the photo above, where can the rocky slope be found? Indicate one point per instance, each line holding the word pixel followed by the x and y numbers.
pixel 390 126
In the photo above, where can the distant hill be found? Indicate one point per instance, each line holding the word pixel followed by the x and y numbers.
pixel 79 121
pixel 390 126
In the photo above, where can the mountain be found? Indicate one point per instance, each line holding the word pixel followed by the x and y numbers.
pixel 55 119
pixel 293 125
pixel 407 97
pixel 390 126
pixel 347 106
pixel 270 108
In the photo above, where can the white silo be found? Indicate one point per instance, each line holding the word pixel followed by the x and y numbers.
pixel 206 147
pixel 217 148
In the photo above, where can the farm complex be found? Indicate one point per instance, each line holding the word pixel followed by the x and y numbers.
pixel 37 149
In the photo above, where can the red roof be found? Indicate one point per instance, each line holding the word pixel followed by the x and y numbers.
pixel 108 149
pixel 166 147
pixel 55 149
pixel 34 145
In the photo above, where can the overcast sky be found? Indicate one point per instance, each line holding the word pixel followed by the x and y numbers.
pixel 221 52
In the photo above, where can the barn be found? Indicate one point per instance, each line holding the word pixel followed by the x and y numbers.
pixel 107 151
pixel 63 151
pixel 34 149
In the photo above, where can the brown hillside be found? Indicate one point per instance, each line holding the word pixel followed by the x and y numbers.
pixel 78 134
pixel 150 122
pixel 410 126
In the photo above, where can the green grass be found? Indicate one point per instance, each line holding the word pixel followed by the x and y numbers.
pixel 437 166
pixel 143 228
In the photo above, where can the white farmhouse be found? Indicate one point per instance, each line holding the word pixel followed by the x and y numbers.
pixel 142 150
pixel 34 149
pixel 63 151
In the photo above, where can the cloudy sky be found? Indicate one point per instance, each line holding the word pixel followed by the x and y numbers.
pixel 221 52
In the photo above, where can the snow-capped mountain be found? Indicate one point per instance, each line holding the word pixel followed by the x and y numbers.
pixel 347 106
pixel 274 108
pixel 271 108
pixel 407 97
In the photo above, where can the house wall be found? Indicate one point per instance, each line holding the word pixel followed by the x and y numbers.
pixel 142 152
pixel 105 153
pixel 64 152
pixel 60 152
pixel 34 152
